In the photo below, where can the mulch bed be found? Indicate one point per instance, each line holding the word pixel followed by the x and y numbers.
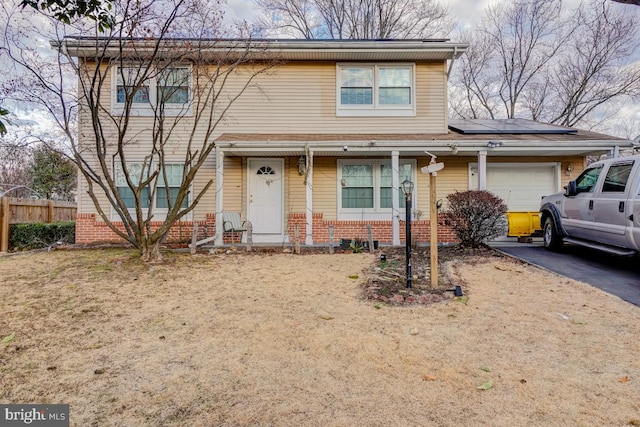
pixel 387 279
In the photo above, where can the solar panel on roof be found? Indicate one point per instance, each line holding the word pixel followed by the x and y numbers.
pixel 506 126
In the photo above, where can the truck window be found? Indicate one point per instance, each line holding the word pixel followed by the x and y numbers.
pixel 586 182
pixel 617 177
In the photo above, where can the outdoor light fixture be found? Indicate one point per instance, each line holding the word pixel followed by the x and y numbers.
pixel 454 148
pixel 493 144
pixel 407 189
pixel 302 165
pixel 569 168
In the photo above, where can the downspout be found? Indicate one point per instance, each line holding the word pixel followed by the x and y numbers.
pixel 455 55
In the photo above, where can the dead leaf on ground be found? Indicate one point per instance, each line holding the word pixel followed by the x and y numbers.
pixel 623 379
pixel 6 340
pixel 427 377
pixel 486 386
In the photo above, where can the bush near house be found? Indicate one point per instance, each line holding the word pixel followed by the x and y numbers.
pixel 40 235
pixel 476 216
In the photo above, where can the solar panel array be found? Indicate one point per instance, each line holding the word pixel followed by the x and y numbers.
pixel 506 126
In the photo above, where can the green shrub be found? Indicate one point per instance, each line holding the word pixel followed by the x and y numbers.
pixel 476 216
pixel 40 235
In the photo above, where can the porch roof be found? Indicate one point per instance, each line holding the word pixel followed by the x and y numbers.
pixel 580 143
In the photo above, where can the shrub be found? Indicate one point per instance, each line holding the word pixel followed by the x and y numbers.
pixel 476 216
pixel 40 235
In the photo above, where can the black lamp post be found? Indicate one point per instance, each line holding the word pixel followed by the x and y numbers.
pixel 407 189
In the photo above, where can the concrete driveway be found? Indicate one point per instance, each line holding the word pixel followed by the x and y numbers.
pixel 616 275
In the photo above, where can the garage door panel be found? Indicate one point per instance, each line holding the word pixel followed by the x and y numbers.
pixel 521 186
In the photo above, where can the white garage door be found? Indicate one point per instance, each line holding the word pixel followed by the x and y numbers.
pixel 522 185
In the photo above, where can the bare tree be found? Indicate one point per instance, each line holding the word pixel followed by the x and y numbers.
pixel 15 178
pixel 166 68
pixel 355 19
pixel 599 67
pixel 548 64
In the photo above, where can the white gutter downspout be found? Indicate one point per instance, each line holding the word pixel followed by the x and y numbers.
pixel 453 58
pixel 219 196
pixel 395 204
pixel 309 197
pixel 482 170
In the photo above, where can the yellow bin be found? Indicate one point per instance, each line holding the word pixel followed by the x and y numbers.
pixel 523 223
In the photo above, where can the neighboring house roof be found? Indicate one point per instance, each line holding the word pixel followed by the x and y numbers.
pixel 572 142
pixel 283 49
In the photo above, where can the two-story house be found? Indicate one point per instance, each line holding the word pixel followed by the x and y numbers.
pixel 329 133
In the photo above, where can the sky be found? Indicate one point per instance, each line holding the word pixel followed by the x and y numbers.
pixel 466 12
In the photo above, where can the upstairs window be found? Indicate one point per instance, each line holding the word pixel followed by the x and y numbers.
pixel 375 90
pixel 168 88
pixel 129 82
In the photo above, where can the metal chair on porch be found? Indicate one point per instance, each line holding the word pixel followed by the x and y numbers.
pixel 232 223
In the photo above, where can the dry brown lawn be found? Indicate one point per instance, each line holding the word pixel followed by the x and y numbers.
pixel 282 339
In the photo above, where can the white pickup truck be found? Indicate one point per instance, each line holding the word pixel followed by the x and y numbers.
pixel 600 209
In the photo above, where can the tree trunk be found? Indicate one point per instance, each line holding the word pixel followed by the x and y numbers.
pixel 151 253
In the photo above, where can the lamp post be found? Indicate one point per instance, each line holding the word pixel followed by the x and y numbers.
pixel 407 189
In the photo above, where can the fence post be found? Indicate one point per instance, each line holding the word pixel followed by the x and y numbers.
pixel 330 238
pixel 4 224
pixel 50 211
pixel 249 236
pixel 296 238
pixel 370 234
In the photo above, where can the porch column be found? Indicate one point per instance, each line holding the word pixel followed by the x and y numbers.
pixel 395 204
pixel 219 240
pixel 482 170
pixel 309 200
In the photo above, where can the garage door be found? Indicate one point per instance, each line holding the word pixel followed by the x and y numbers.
pixel 521 185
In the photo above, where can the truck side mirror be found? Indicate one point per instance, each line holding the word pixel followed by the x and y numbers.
pixel 571 189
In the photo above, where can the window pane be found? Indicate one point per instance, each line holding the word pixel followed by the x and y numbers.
pixel 357 191
pixel 395 77
pixel 356 77
pixel 129 200
pixel 173 178
pixel 616 179
pixel 173 86
pixel 356 86
pixel 173 173
pixel 353 96
pixel 128 83
pixel 395 96
pixel 355 197
pixel 161 198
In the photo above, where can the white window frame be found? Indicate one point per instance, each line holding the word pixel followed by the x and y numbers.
pixel 147 109
pixel 375 213
pixel 376 109
pixel 158 213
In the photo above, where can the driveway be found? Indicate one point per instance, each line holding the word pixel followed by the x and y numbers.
pixel 616 275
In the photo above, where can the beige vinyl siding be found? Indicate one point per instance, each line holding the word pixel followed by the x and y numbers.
pixel 234 184
pixel 300 97
pixel 325 196
pixel 454 177
pixel 295 197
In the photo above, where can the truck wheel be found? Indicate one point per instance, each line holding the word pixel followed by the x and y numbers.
pixel 552 240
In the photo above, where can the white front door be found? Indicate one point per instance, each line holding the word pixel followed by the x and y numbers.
pixel 265 199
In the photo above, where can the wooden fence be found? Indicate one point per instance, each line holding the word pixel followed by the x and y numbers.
pixel 22 211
